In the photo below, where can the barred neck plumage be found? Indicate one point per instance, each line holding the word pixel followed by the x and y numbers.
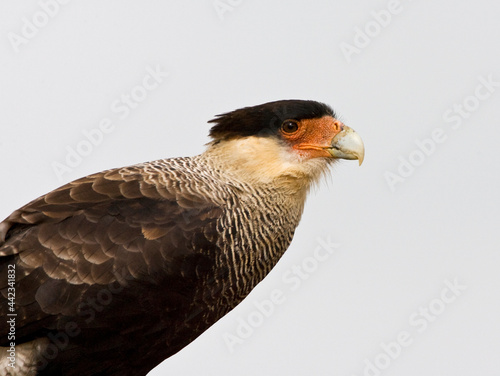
pixel 259 216
pixel 258 224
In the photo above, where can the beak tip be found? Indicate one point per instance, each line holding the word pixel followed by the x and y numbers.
pixel 348 145
pixel 361 158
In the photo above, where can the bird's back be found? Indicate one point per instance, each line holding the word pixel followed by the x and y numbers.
pixel 121 269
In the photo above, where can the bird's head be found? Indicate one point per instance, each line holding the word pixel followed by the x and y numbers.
pixel 284 140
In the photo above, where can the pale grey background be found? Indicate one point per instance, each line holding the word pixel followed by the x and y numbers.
pixel 395 249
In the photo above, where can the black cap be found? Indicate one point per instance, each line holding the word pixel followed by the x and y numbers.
pixel 265 119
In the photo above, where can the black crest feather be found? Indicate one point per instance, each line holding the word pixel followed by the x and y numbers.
pixel 265 119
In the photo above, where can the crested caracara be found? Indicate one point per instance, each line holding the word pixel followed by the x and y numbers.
pixel 117 271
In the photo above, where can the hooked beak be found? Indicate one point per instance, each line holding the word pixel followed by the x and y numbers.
pixel 347 145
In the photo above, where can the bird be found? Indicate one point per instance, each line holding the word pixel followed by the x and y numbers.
pixel 115 272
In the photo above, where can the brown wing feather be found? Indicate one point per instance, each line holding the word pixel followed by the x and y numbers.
pixel 109 233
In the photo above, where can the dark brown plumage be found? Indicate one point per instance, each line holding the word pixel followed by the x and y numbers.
pixel 119 270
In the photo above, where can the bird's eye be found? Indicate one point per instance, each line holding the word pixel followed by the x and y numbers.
pixel 289 126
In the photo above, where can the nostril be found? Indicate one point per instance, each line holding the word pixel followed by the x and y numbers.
pixel 339 125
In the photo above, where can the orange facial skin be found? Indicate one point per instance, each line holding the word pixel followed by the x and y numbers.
pixel 312 137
